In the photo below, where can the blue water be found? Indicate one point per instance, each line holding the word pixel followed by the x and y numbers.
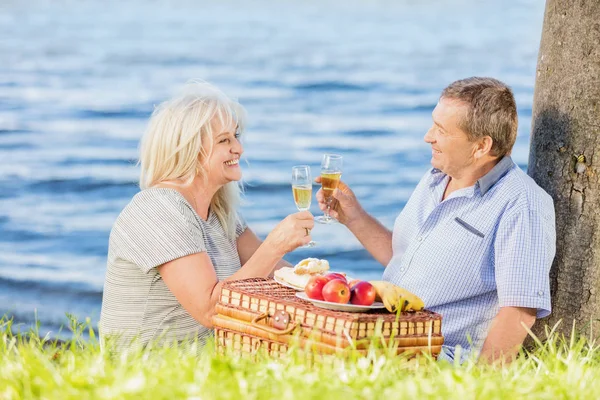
pixel 360 78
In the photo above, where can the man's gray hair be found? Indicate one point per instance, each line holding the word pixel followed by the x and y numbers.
pixel 492 111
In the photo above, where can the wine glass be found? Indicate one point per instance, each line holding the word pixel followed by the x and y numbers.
pixel 331 172
pixel 302 190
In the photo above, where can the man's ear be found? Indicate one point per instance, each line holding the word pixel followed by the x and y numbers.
pixel 484 146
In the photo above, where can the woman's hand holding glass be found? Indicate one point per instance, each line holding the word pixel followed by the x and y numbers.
pixel 291 233
pixel 302 191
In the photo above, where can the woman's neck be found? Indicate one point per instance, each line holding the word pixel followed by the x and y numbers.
pixel 202 194
pixel 197 193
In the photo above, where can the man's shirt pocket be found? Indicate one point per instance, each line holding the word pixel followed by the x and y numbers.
pixel 469 227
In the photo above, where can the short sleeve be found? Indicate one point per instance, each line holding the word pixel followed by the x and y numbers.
pixel 524 250
pixel 155 228
pixel 240 225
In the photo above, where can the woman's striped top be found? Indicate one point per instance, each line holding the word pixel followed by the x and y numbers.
pixel 158 226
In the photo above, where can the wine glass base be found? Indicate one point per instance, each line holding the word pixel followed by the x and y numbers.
pixel 322 219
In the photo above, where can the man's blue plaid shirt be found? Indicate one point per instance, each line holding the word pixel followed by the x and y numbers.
pixel 484 247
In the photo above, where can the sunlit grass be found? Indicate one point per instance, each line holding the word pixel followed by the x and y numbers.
pixel 34 367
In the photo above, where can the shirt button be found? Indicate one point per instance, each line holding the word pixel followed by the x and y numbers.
pixel 540 293
pixel 420 238
pixel 401 269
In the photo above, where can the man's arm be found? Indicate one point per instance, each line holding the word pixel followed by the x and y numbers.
pixel 375 237
pixel 507 334
pixel 524 250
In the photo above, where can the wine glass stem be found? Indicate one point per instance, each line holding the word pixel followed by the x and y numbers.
pixel 326 212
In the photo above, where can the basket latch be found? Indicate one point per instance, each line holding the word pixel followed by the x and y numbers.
pixel 281 322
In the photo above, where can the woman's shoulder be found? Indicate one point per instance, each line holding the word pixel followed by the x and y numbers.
pixel 157 204
pixel 155 227
pixel 157 197
pixel 158 194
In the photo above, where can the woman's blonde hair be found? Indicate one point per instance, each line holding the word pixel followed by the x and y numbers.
pixel 180 136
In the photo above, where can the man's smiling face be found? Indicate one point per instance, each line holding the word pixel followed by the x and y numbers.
pixel 452 151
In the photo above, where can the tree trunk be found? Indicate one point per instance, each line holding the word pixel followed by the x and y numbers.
pixel 564 157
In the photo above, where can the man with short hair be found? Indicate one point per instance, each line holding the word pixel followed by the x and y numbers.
pixel 477 238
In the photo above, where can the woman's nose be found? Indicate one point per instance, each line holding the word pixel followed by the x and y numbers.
pixel 237 147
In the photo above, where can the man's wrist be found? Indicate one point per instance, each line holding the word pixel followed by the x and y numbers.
pixel 357 221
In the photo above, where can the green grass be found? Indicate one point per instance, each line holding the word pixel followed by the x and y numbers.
pixel 31 367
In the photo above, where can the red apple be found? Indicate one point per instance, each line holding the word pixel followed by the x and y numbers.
pixel 336 275
pixel 353 282
pixel 363 294
pixel 336 291
pixel 314 287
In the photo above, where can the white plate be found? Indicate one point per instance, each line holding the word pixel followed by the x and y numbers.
pixel 283 283
pixel 339 306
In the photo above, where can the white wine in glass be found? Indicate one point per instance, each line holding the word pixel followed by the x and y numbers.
pixel 331 173
pixel 302 190
pixel 302 196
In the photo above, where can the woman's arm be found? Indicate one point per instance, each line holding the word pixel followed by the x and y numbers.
pixel 248 243
pixel 193 280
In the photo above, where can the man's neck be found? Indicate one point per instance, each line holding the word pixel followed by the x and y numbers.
pixel 468 178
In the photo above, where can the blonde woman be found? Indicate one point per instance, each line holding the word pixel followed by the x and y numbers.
pixel 178 239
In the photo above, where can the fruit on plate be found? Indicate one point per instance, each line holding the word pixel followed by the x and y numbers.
pixel 353 282
pixel 336 291
pixel 314 287
pixel 363 294
pixel 396 298
pixel 336 275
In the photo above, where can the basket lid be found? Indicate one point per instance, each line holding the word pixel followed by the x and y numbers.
pixel 253 290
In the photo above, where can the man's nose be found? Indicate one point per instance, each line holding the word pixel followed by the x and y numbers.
pixel 429 136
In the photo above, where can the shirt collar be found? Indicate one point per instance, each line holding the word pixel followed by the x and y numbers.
pixel 485 182
pixel 499 170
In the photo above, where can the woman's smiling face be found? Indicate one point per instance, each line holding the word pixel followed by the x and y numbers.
pixel 222 163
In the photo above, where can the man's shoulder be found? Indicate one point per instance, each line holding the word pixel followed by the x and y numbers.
pixel 523 192
pixel 431 176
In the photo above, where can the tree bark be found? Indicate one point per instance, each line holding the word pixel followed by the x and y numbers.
pixel 565 127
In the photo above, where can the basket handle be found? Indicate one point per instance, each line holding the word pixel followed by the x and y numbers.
pixel 266 328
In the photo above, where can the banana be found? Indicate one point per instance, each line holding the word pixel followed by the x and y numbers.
pixel 395 298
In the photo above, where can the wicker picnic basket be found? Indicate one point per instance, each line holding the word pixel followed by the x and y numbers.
pixel 260 314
